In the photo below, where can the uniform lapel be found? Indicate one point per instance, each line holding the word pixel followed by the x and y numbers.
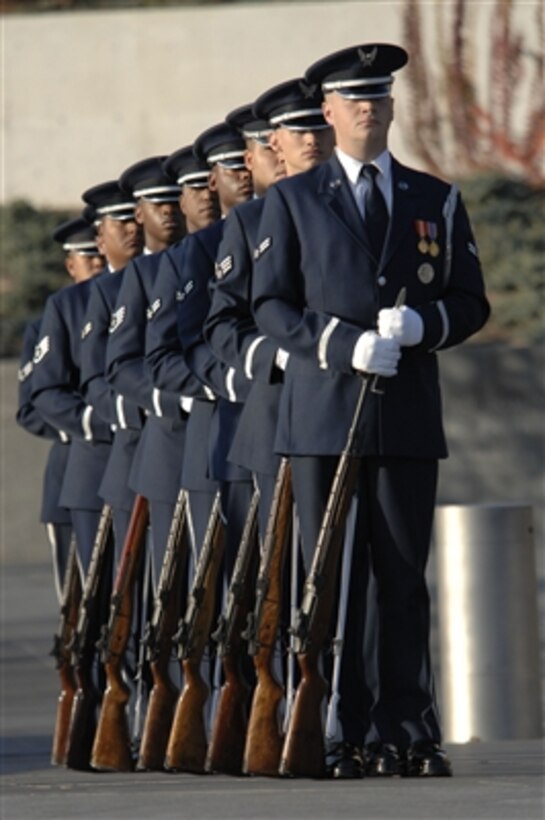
pixel 335 191
pixel 405 194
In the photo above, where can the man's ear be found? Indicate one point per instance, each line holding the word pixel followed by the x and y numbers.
pixel 274 142
pixel 213 180
pixel 326 111
pixel 249 159
pixel 69 265
pixel 101 245
pixel 138 214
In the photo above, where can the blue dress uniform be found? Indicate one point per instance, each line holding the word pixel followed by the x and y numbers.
pixel 154 447
pixel 231 332
pixel 228 385
pixel 315 292
pixel 57 396
pixel 113 487
pixel 230 327
pixel 171 373
pixel 56 518
pixel 107 200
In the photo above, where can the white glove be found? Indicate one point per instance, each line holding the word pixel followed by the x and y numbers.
pixel 373 354
pixel 186 403
pixel 403 324
pixel 281 358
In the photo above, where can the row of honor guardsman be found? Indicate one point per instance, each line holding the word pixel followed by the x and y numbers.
pixel 202 628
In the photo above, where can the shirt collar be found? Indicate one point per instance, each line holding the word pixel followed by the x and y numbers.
pixel 352 166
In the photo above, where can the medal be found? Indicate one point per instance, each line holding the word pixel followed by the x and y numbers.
pixel 423 246
pixel 433 246
pixel 426 273
pixel 420 226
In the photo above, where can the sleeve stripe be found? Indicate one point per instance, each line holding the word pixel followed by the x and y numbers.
pixel 229 384
pixel 446 325
pixel 156 399
pixel 249 358
pixel 120 410
pixel 86 423
pixel 324 342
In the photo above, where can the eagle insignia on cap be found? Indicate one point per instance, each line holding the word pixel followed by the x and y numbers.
pixel 41 350
pixel 181 294
pixel 87 328
pixel 224 267
pixel 308 90
pixel 117 319
pixel 24 372
pixel 153 308
pixel 263 246
pixel 472 248
pixel 367 58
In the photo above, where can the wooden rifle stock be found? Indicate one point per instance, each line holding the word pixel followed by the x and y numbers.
pixel 226 747
pixel 164 694
pixel 186 748
pixel 264 737
pixel 71 596
pixel 112 746
pixel 303 754
pixel 87 697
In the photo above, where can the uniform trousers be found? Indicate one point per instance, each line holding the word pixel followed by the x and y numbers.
pixel 59 537
pixel 386 684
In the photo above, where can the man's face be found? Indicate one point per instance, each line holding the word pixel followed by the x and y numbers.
pixel 162 223
pixel 199 206
pixel 233 186
pixel 302 150
pixel 119 240
pixel 359 125
pixel 81 267
pixel 265 165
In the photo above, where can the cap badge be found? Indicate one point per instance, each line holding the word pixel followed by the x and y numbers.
pixel 367 58
pixel 308 91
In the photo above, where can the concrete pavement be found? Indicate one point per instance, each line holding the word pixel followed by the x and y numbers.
pixel 501 779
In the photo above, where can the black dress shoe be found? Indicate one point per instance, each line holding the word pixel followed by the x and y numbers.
pixel 382 760
pixel 426 759
pixel 345 762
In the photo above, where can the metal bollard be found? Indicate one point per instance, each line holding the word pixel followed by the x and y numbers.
pixel 488 624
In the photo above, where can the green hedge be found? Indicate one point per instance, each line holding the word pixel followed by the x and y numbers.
pixel 507 218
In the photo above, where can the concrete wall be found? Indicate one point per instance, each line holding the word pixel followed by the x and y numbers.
pixel 85 94
pixel 493 400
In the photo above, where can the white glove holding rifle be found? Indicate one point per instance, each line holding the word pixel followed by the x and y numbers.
pixel 403 324
pixel 375 354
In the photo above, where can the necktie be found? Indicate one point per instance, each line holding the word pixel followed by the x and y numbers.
pixel 375 211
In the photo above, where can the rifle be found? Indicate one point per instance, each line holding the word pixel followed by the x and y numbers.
pixel 264 738
pixel 158 639
pixel 87 697
pixel 303 753
pixel 186 748
pixel 228 735
pixel 112 746
pixel 71 596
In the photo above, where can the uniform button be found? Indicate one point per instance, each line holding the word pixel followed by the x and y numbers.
pixel 382 281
